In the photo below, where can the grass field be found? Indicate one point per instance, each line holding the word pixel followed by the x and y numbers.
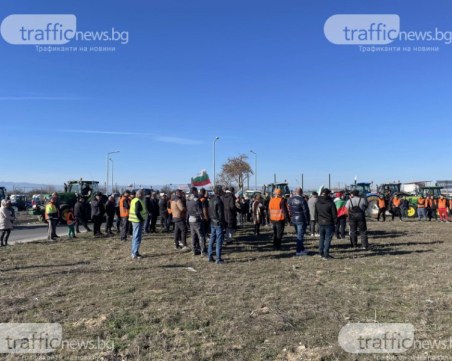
pixel 260 305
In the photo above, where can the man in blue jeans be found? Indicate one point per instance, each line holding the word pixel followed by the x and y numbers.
pixel 137 216
pixel 325 216
pixel 299 215
pixel 217 225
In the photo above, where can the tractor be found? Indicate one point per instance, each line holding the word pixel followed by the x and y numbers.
pixel 424 191
pixel 269 189
pixel 73 190
pixel 364 189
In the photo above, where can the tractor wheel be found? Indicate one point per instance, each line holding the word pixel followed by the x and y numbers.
pixel 64 209
pixel 412 211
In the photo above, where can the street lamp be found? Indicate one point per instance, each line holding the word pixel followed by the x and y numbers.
pixel 112 179
pixel 214 142
pixel 108 168
pixel 255 169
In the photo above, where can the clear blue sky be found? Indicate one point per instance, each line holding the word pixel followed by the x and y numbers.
pixel 259 74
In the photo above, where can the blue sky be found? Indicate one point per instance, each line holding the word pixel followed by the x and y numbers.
pixel 260 75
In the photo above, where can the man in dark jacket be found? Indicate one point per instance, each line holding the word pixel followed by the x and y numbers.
pixel 147 222
pixel 356 208
pixel 217 225
pixel 81 214
pixel 163 210
pixel 154 210
pixel 195 219
pixel 230 213
pixel 110 210
pixel 325 217
pixel 97 214
pixel 299 215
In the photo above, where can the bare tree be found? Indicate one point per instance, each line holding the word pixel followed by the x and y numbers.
pixel 235 171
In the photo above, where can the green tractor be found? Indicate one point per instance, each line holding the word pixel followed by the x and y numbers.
pixel 72 190
pixel 424 191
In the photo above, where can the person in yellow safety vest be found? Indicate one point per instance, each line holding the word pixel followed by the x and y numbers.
pixel 70 221
pixel 279 214
pixel 137 215
pixel 52 215
pixel 421 209
pixel 442 209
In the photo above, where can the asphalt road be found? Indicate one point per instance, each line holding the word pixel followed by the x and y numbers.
pixel 33 232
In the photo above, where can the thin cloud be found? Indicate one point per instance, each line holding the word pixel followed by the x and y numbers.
pixel 157 138
pixel 37 98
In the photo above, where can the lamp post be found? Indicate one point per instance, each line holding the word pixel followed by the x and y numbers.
pixel 112 174
pixel 108 168
pixel 255 169
pixel 214 175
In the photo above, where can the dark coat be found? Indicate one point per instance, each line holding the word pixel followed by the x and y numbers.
pixel 298 210
pixel 325 211
pixel 230 210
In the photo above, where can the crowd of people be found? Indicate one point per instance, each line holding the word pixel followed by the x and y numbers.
pixel 213 219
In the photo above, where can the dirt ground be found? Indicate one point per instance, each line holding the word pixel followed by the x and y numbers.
pixel 260 304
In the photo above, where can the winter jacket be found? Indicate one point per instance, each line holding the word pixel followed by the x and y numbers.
pixel 178 209
pixel 97 208
pixel 194 209
pixel 110 209
pixel 325 211
pixel 6 218
pixel 216 211
pixel 298 210
pixel 163 207
pixel 230 210
pixel 311 204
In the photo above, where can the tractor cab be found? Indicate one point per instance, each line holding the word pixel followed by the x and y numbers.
pixel 389 189
pixel 82 188
pixel 362 188
pixel 269 189
pixel 430 191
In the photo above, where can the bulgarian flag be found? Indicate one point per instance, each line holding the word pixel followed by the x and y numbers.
pixel 200 180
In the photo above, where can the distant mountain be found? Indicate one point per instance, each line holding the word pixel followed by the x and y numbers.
pixel 24 187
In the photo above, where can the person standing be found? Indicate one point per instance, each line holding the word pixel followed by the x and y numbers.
pixel 163 210
pixel 300 217
pixel 154 209
pixel 6 222
pixel 147 222
pixel 432 206
pixel 137 216
pixel 341 210
pixel 421 210
pixel 279 214
pixel 97 214
pixel 70 221
pixel 311 204
pixel 404 207
pixel 356 209
pixel 230 214
pixel 217 225
pixel 442 209
pixel 81 215
pixel 110 210
pixel 203 198
pixel 396 203
pixel 326 217
pixel 52 215
pixel 179 212
pixel 382 207
pixel 258 213
pixel 195 219
pixel 124 211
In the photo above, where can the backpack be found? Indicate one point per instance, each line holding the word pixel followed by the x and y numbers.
pixel 355 212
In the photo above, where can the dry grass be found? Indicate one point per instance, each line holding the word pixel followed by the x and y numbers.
pixel 260 305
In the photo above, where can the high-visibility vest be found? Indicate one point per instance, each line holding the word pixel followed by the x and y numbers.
pixel 123 211
pixel 396 202
pixel 421 203
pixel 442 203
pixel 381 203
pixel 51 211
pixel 132 215
pixel 275 208
pixel 70 220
